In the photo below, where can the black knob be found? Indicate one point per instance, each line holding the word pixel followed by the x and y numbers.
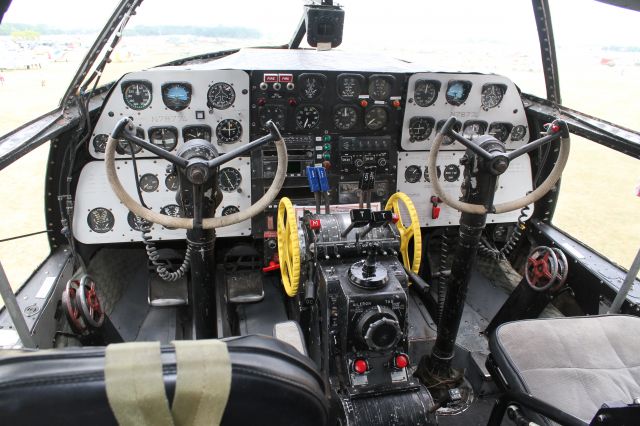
pixel 379 329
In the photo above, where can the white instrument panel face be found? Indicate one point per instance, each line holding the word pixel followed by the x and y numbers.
pixel 169 105
pixel 100 209
pixel 484 104
pixel 413 180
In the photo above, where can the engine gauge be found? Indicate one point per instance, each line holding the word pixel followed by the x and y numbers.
pixel 500 131
pixel 229 179
pixel 229 131
pixel 457 126
pixel 172 210
pixel 176 96
pixel 164 137
pixel 100 142
pixel 274 113
pixel 221 96
pixel 426 92
pixel 137 94
pixel 350 86
pixel 491 95
pixel 451 173
pixel 420 128
pixel 137 223
pixel 230 210
pixel 196 132
pixel 311 85
pixel 426 173
pixel 100 220
pixel 473 129
pixel 171 182
pixel 124 146
pixel 376 118
pixel 518 133
pixel 149 182
pixel 307 117
pixel 413 174
pixel 458 91
pixel 345 117
pixel 380 88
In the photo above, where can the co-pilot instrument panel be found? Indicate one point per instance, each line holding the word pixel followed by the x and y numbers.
pixel 346 112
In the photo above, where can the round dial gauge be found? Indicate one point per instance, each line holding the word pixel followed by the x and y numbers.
pixel 149 182
pixel 230 210
pixel 164 137
pixel 426 173
pixel 274 113
pixel 124 147
pixel 456 128
pixel 491 95
pixel 379 88
pixel 176 96
pixel 196 132
pixel 229 131
pixel 311 85
pixel 171 182
pixel 221 96
pixel 451 173
pixel 137 223
pixel 172 210
pixel 412 174
pixel 426 92
pixel 350 86
pixel 100 142
pixel 500 131
pixel 307 117
pixel 473 129
pixel 137 94
pixel 420 128
pixel 345 117
pixel 518 133
pixel 229 179
pixel 100 220
pixel 376 118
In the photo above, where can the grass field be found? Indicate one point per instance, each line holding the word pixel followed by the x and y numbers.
pixel 597 202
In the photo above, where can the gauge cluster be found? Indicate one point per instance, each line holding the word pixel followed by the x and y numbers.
pixel 99 217
pixel 483 104
pixel 172 107
pixel 414 180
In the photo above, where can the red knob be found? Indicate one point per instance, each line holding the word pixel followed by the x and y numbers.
pixel 401 361
pixel 293 102
pixel 261 101
pixel 360 366
pixel 435 212
pixel 364 103
pixel 273 266
pixel 395 103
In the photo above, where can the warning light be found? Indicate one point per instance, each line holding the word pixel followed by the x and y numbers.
pixel 360 366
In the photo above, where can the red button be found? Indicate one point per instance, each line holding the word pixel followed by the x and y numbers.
pixel 401 361
pixel 326 164
pixel 360 366
pixel 364 103
pixel 286 78
pixel 395 103
pixel 261 101
pixel 555 128
pixel 435 212
pixel 270 78
pixel 293 102
pixel 314 224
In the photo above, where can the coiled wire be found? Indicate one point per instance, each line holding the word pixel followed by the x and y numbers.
pixel 154 258
pixel 442 273
pixel 485 249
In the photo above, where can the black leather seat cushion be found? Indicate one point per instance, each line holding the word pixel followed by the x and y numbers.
pixel 575 364
pixel 272 384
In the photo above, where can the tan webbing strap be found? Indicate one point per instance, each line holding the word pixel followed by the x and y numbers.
pixel 203 382
pixel 135 387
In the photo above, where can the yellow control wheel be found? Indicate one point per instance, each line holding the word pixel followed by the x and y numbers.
pixel 407 232
pixel 288 246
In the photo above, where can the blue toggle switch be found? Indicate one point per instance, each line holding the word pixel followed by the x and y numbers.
pixel 312 177
pixel 324 180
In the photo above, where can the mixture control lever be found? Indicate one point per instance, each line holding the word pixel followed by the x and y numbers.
pixel 359 219
pixel 366 185
pixel 378 219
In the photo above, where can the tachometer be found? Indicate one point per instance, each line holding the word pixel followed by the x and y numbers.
pixel 274 113
pixel 228 131
pixel 500 131
pixel 491 95
pixel 124 146
pixel 100 220
pixel 420 128
pixel 137 223
pixel 100 142
pixel 426 92
pixel 137 94
pixel 164 137
pixel 171 182
pixel 518 133
pixel 149 182
pixel 307 117
pixel 376 118
pixel 229 179
pixel 311 85
pixel 196 132
pixel 176 96
pixel 230 210
pixel 458 91
pixel 220 96
pixel 345 117
pixel 350 86
pixel 380 88
pixel 412 174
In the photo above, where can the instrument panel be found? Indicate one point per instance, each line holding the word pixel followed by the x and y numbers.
pixel 383 118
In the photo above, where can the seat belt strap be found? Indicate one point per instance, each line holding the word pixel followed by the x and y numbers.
pixel 203 382
pixel 135 386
